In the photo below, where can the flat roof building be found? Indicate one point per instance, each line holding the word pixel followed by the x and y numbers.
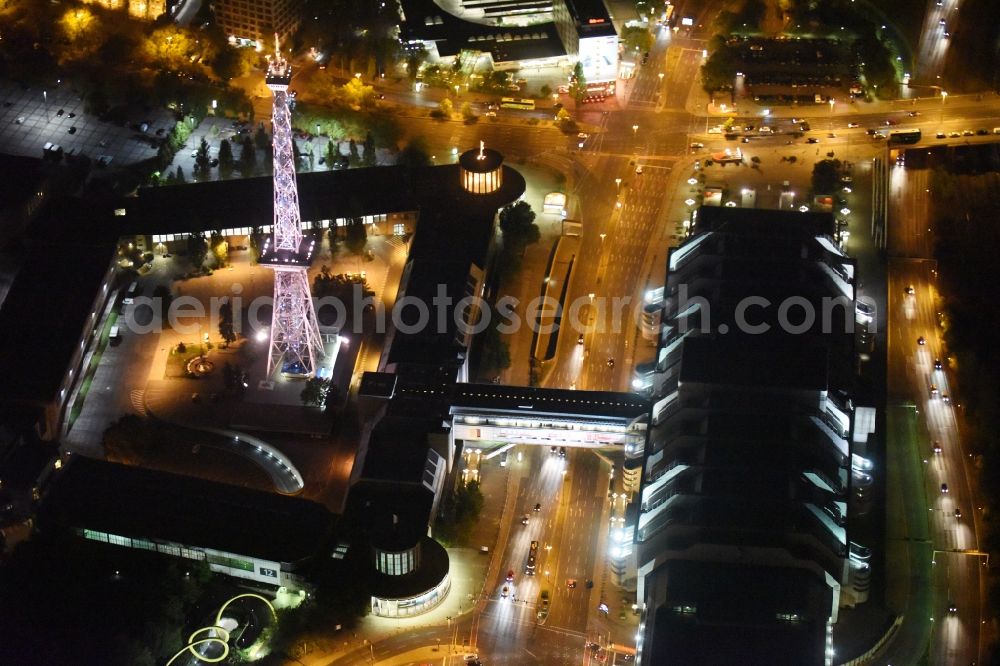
pixel 262 537
pixel 259 20
pixel 741 533
pixel 53 317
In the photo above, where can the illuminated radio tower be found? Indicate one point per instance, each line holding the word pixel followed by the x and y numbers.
pixel 296 345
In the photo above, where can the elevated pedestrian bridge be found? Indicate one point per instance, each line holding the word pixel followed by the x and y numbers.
pixel 548 417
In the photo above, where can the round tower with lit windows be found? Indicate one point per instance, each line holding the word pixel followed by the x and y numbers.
pixel 482 170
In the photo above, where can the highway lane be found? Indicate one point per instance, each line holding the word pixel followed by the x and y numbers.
pixel 933 47
pixel 574 553
pixel 913 378
pixel 507 625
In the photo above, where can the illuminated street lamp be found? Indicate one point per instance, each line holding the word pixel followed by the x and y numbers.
pixel 635 129
pixel 661 76
pixel 602 237
pixel 618 183
pixel 944 96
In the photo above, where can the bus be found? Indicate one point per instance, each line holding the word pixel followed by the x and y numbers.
pixel 529 566
pixel 904 136
pixel 514 103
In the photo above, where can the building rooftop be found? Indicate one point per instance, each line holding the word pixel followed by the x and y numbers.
pixel 138 502
pixel 473 160
pixel 722 613
pixel 533 400
pixel 397 451
pixel 765 361
pixel 427 21
pixel 763 222
pixel 389 516
pixel 44 313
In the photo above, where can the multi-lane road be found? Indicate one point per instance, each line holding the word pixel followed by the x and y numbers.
pixel 949 618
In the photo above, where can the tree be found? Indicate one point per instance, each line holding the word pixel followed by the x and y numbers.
pixel 226 329
pixel 446 108
pixel 197 249
pixel 369 158
pixel 314 392
pixel 494 353
pixel 233 62
pixel 467 113
pixel 201 159
pixel 357 94
pixel 414 154
pixel 545 90
pixel 261 139
pixel 565 120
pixel 352 153
pixel 719 70
pixel 225 158
pixel 180 175
pixel 248 157
pixel 517 223
pixel 578 87
pixel 356 236
pixel 332 153
pixel 825 176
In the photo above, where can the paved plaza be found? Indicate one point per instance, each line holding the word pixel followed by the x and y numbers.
pixel 30 117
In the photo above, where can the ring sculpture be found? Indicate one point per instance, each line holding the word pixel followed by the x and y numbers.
pixel 223 638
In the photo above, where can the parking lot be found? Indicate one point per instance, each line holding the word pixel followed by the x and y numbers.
pixel 32 117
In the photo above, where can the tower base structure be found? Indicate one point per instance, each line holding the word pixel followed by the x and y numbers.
pixel 296 345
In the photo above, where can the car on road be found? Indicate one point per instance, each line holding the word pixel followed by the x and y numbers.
pixel 968 133
pixel 921 341
pixel 638 170
pixel 958 514
pixel 571 583
pixel 853 125
pixel 945 398
pixel 589 584
pixel 812 139
pixel 940 135
pixel 954 135
pixel 562 451
pixel 944 488
pixel 524 519
pixel 982 131
pixel 697 146
pixel 937 364
pixel 505 592
pixel 937 448
pixel 583 135
pixel 538 506
pixel 579 339
pixel 934 390
pixel 952 608
pixel 913 114
pixel 909 290
pixel 889 122
pixel 553 450
pixel 942 22
pixel 611 362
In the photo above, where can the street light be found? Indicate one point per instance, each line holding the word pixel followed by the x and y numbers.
pixel 602 237
pixel 618 183
pixel 944 96
pixel 635 129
